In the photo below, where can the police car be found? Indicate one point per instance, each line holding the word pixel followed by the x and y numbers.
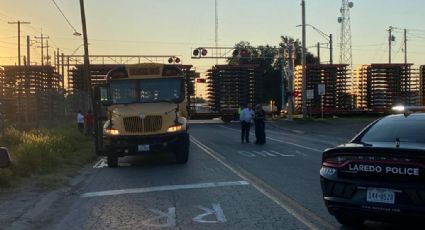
pixel 380 174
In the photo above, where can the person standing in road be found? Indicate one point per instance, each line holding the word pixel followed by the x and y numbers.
pixel 80 121
pixel 245 118
pixel 260 125
pixel 88 120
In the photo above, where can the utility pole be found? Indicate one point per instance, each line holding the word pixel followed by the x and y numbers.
pixel 19 38
pixel 331 49
pixel 290 81
pixel 318 51
pixel 28 50
pixel 216 29
pixel 57 60
pixel 86 49
pixel 405 47
pixel 42 46
pixel 47 51
pixel 407 72
pixel 303 63
pixel 283 76
pixel 390 39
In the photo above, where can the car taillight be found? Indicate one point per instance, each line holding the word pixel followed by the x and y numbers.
pixel 337 161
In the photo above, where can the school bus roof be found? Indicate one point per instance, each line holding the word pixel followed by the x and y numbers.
pixel 145 70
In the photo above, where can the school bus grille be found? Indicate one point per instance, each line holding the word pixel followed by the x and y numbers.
pixel 139 125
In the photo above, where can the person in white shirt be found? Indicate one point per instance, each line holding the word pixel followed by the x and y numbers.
pixel 80 121
pixel 245 118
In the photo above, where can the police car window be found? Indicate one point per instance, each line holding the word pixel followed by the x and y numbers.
pixel 404 129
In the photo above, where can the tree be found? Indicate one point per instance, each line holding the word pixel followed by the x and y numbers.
pixel 267 58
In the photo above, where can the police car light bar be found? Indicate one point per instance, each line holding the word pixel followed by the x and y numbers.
pixel 402 108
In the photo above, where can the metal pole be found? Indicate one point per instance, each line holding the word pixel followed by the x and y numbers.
pixel 303 63
pixel 330 49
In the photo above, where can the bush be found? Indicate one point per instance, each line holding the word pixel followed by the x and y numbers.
pixel 42 151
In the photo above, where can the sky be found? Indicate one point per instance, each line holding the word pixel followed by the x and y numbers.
pixel 169 27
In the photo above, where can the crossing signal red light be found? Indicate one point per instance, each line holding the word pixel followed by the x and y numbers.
pixel 177 60
pixel 195 52
pixel 244 53
pixel 170 60
pixel 204 52
pixel 240 53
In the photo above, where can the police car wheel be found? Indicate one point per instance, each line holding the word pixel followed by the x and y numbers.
pixel 348 220
pixel 112 161
pixel 182 150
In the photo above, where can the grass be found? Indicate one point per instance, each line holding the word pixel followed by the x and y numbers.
pixel 49 154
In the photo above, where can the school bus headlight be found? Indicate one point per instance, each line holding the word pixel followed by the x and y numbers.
pixel 112 132
pixel 175 128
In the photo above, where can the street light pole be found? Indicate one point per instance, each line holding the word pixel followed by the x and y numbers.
pixel 303 63
pixel 329 38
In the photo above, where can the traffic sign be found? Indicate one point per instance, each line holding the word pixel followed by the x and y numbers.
pixel 310 94
pixel 321 91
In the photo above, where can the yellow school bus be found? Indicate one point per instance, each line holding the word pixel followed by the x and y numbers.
pixel 141 110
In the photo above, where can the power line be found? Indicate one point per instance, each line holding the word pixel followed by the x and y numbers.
pixel 69 23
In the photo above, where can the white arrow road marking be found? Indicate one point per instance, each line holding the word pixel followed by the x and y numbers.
pixel 101 163
pixel 164 188
pixel 217 211
pixel 169 216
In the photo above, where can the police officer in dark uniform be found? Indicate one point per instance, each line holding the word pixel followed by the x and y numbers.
pixel 260 125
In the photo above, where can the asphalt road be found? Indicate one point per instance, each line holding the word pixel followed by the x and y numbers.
pixel 225 185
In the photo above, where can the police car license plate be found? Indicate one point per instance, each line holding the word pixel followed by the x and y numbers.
pixel 380 195
pixel 143 148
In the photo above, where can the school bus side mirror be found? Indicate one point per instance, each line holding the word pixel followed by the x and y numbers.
pixel 107 103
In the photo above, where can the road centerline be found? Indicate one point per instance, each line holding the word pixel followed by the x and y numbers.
pixel 164 188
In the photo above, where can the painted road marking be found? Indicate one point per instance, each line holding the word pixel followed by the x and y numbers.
pixel 281 141
pixel 263 153
pixel 216 211
pixel 168 219
pixel 169 216
pixel 164 188
pixel 101 163
pixel 302 214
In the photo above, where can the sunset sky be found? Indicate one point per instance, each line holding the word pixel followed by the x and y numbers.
pixel 142 27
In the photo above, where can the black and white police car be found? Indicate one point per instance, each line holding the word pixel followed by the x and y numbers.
pixel 380 174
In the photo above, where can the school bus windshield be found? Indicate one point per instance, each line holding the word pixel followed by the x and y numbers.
pixel 146 90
